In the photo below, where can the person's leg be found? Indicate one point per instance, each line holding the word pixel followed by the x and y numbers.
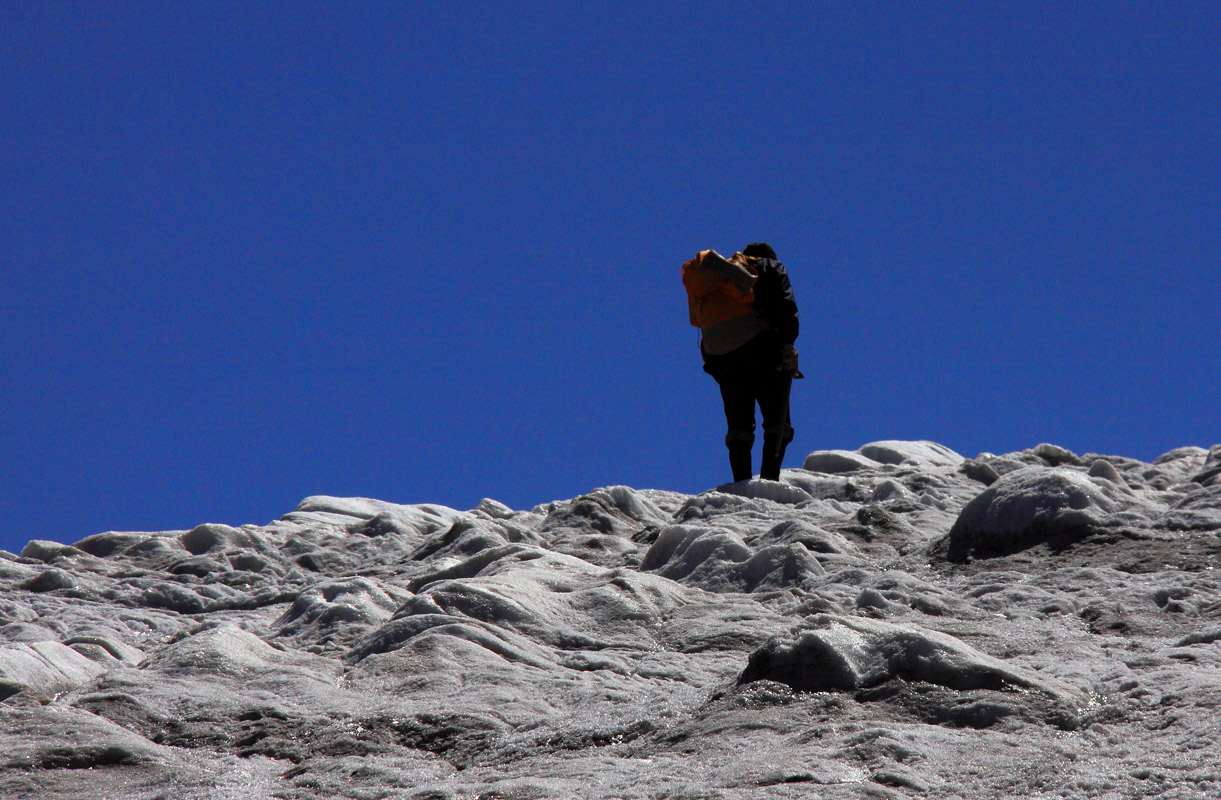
pixel 739 403
pixel 777 425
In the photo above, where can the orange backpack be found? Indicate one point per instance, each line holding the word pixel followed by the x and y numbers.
pixel 718 289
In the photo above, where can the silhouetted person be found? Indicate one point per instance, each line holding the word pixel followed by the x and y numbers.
pixel 746 311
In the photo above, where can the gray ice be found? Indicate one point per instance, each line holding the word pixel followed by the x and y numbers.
pixel 894 621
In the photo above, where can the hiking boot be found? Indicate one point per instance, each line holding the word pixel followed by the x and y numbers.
pixel 739 461
pixel 773 456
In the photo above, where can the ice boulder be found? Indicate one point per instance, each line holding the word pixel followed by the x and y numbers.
pixel 1104 469
pixel 1033 505
pixel 681 550
pixel 923 454
pixel 838 653
pixel 718 560
pixel 833 461
pixel 50 580
pixel 46 667
pixel 225 651
pixel 1210 475
pixel 111 543
pixel 203 538
pixel 1055 456
pixel 47 551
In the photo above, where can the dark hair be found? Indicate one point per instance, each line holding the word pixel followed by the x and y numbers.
pixel 759 250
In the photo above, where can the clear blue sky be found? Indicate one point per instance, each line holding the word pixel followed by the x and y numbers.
pixel 429 252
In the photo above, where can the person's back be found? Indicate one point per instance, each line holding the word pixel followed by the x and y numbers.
pixel 748 348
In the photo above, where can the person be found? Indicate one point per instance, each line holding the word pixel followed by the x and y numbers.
pixel 747 315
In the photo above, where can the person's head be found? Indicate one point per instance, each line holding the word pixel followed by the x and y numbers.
pixel 759 250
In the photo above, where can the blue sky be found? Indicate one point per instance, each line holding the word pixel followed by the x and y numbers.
pixel 429 252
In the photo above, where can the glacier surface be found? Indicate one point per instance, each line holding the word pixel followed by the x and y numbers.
pixel 895 621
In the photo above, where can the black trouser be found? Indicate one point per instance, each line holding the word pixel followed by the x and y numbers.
pixel 749 376
pixel 771 393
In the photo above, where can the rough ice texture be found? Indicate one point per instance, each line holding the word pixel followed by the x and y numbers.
pixel 842 653
pixel 895 621
pixel 837 461
pixel 921 454
pixel 1037 503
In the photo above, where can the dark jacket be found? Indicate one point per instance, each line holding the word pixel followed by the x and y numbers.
pixel 775 303
pixel 774 299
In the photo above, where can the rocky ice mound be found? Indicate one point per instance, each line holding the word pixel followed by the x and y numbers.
pixel 843 653
pixel 892 621
pixel 1036 504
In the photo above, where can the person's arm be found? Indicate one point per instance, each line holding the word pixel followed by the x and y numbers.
pixel 774 298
